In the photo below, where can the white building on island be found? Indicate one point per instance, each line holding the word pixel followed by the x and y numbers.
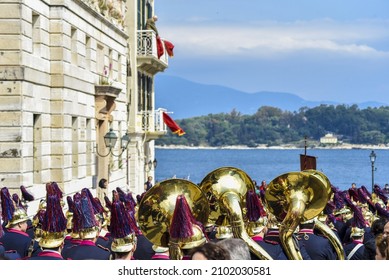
pixel 329 138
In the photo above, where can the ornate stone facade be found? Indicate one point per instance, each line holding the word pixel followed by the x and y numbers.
pixel 70 70
pixel 52 57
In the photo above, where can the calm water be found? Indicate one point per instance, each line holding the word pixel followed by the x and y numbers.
pixel 342 167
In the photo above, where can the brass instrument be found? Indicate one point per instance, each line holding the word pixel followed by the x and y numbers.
pixel 226 189
pixel 157 207
pixel 296 197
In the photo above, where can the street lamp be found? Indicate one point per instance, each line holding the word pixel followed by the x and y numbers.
pixel 150 164
pixel 373 157
pixel 110 141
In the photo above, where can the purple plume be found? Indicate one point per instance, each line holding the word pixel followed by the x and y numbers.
pixel 379 192
pixel 358 220
pixel 77 213
pixel 108 203
pixel 95 205
pixel 70 202
pixel 181 226
pixel 382 212
pixel 7 205
pixel 88 215
pixel 254 207
pixel 120 221
pixel 54 220
pixel 25 194
pixel 353 193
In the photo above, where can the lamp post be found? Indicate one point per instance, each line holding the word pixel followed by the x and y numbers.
pixel 373 157
pixel 110 141
pixel 150 164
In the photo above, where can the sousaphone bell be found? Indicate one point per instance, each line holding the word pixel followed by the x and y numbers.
pixel 157 207
pixel 296 197
pixel 226 189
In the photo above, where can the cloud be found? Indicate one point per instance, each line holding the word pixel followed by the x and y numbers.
pixel 266 39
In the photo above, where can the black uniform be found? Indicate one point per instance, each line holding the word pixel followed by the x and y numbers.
pixel 273 246
pixel 69 242
pixel 144 248
pixel 359 254
pixel 47 255
pixel 88 250
pixel 105 241
pixel 8 255
pixel 20 242
pixel 318 247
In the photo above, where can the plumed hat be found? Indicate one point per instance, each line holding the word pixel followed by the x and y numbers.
pixel 380 193
pixel 256 214
pixel 57 190
pixel 382 212
pixel 358 223
pixel 17 201
pixel 185 231
pixel 84 220
pixel 37 220
pixel 98 210
pixel 365 191
pixel 353 193
pixel 12 214
pixel 124 237
pixel 26 196
pixel 54 223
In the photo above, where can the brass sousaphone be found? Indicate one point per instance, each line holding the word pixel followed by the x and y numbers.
pixel 226 189
pixel 296 197
pixel 156 208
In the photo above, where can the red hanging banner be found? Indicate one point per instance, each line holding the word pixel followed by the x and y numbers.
pixel 174 127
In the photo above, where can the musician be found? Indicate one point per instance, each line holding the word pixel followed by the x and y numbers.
pixel 317 246
pixel 15 236
pixel 124 240
pixel 355 250
pixel 53 233
pixel 85 223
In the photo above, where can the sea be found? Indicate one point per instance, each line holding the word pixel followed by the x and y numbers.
pixel 341 166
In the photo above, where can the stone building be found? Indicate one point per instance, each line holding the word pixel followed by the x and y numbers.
pixel 329 138
pixel 71 71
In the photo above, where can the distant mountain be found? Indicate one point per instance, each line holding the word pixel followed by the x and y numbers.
pixel 188 99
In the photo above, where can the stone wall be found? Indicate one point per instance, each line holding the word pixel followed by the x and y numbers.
pixel 52 54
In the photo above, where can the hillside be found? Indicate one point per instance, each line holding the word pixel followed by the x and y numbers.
pixel 189 99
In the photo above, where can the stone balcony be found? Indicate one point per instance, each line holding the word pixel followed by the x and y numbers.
pixel 147 55
pixel 153 124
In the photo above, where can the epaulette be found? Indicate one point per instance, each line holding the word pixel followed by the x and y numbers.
pixel 102 247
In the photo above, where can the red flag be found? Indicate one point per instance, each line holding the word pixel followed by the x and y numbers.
pixel 159 47
pixel 307 162
pixel 169 48
pixel 174 127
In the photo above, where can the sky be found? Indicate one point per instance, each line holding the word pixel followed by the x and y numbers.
pixel 320 50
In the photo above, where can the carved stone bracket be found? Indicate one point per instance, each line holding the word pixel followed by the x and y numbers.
pixel 105 96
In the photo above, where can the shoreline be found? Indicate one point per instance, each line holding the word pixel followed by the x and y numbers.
pixel 283 147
